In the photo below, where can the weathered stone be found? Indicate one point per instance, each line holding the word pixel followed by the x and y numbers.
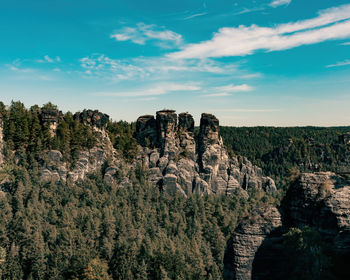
pixel 166 131
pixel 246 240
pixel 92 118
pixel 319 200
pixel 171 186
pixel 186 122
pixel 146 130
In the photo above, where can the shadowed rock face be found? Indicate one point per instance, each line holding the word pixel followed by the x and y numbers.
pixel 246 241
pixel 320 200
pixel 93 118
pixel 146 130
pixel 50 115
pixel 186 122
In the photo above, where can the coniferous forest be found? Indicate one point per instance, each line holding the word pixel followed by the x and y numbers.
pixel 93 230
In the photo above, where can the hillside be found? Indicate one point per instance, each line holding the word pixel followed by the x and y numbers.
pixel 84 197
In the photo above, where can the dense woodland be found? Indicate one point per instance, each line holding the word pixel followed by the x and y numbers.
pixel 91 230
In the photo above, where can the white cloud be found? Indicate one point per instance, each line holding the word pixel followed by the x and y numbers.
pixel 278 3
pixel 221 94
pixel 345 44
pixel 195 15
pixel 341 63
pixel 333 23
pixel 48 59
pixel 144 32
pixel 99 65
pixel 156 90
pixel 235 88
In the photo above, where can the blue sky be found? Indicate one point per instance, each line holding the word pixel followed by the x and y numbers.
pixel 279 63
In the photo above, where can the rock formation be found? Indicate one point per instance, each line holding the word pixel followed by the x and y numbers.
pixel 181 162
pixel 89 161
pixel 249 236
pixel 178 161
pixel 92 118
pixel 320 200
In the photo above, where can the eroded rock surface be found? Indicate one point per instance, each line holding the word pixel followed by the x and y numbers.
pixel 200 164
pixel 176 160
pixel 92 118
pixel 319 200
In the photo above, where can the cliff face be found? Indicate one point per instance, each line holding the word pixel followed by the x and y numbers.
pixel 320 200
pixel 180 162
pixel 55 168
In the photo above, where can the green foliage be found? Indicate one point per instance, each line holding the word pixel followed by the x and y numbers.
pixel 90 230
pixel 122 137
pixel 30 138
pixel 282 150
pixel 308 254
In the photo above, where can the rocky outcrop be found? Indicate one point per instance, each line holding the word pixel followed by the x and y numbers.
pixel 180 162
pixel 95 119
pixel 56 168
pixel 146 130
pixel 246 241
pixel 319 200
pixel 176 160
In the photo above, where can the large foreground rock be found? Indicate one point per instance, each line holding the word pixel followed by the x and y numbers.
pixel 319 200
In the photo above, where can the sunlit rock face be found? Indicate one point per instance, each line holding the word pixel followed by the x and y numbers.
pixel 200 163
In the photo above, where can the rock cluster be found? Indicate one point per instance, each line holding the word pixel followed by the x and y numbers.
pixel 180 162
pixel 92 118
pixel 320 200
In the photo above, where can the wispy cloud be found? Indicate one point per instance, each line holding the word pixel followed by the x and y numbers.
pixel 341 63
pixel 48 59
pixel 346 44
pixel 333 23
pixel 195 15
pixel 278 3
pixel 235 88
pixel 153 91
pixel 242 110
pixel 99 65
pixel 143 33
pixel 227 90
pixel 221 94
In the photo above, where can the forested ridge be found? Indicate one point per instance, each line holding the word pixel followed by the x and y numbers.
pixel 93 230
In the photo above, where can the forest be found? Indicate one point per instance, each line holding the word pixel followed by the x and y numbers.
pixel 92 230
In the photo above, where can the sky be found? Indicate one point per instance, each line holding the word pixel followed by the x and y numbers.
pixel 251 63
